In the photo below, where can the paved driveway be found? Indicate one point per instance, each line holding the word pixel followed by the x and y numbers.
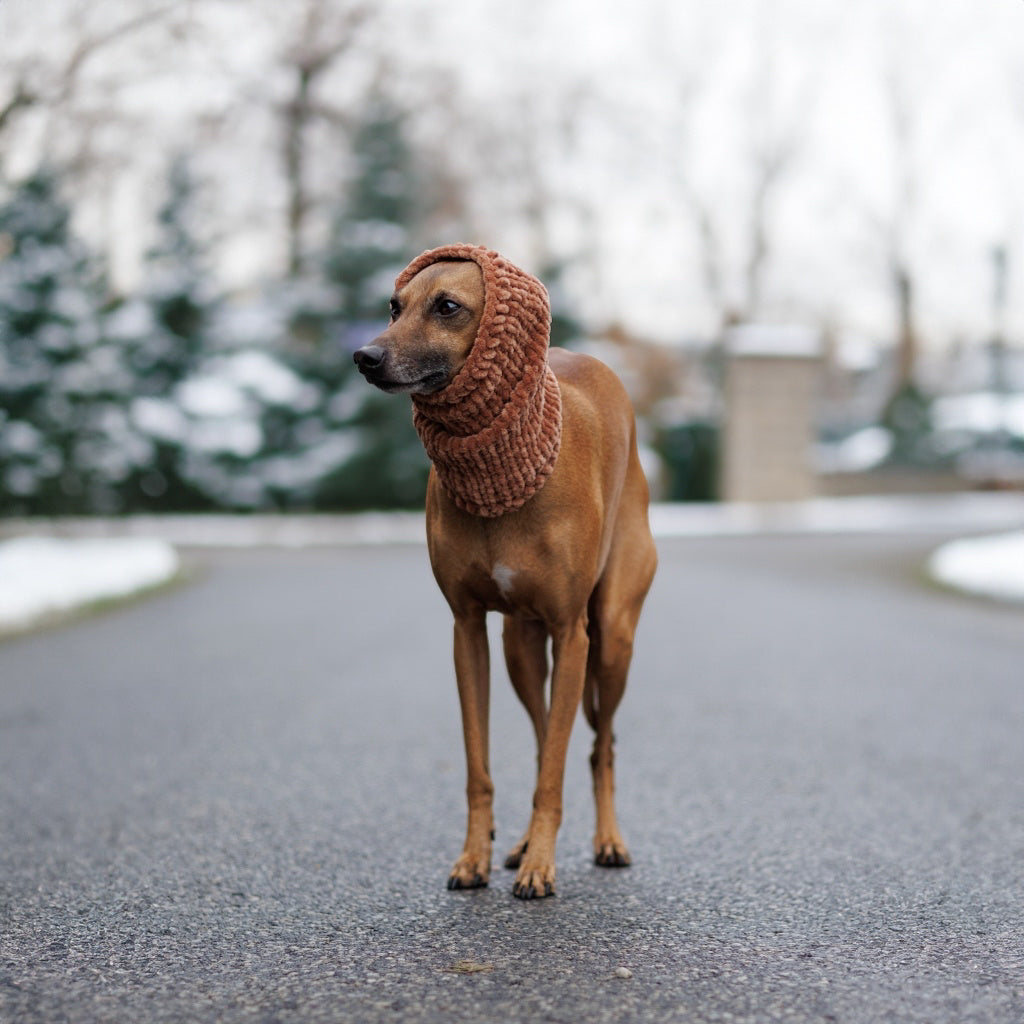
pixel 238 801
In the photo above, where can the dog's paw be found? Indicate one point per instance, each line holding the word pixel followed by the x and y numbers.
pixel 611 854
pixel 458 882
pixel 469 873
pixel 515 855
pixel 531 885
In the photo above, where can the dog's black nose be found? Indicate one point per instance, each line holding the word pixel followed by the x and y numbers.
pixel 369 357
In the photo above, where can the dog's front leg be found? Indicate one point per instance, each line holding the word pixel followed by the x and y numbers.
pixel 536 875
pixel 472 671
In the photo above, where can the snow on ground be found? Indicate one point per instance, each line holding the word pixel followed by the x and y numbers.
pixel 97 559
pixel 991 566
pixel 963 513
pixel 45 576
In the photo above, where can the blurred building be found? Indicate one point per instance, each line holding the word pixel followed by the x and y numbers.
pixel 772 389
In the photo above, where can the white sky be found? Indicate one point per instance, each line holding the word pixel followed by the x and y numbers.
pixel 822 71
pixel 652 94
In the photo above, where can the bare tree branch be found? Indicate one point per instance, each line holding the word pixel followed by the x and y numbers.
pixel 49 82
pixel 23 97
pixel 91 45
pixel 897 230
pixel 768 169
pixel 310 56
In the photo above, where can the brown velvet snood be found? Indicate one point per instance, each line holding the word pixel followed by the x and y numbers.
pixel 493 432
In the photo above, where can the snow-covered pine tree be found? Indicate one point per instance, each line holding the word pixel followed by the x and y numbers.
pixel 177 289
pixel 229 423
pixel 65 443
pixel 371 240
pixel 165 330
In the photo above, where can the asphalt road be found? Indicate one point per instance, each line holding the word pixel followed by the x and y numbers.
pixel 238 801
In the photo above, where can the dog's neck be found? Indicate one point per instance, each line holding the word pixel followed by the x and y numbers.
pixel 494 432
pixel 507 458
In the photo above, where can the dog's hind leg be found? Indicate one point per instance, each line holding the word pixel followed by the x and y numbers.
pixel 525 645
pixel 472 672
pixel 607 667
pixel 615 609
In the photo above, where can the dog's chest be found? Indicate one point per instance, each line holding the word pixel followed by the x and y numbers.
pixel 504 577
pixel 505 565
pixel 500 585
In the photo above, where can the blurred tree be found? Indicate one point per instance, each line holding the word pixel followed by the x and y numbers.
pixel 898 227
pixel 164 334
pixel 566 328
pixel 62 388
pixel 907 410
pixel 370 242
pixel 907 415
pixel 735 241
pixel 325 31
pixel 372 229
pixel 47 83
pixel 177 288
pixel 529 192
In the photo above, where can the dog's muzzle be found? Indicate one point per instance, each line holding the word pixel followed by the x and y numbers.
pixel 374 365
pixel 369 359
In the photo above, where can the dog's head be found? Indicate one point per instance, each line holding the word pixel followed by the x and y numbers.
pixel 435 316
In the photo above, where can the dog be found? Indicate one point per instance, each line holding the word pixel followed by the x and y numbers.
pixel 571 562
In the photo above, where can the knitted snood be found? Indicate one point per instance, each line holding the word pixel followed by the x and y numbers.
pixel 494 431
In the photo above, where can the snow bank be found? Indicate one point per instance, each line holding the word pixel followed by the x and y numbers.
pixel 990 566
pixel 950 514
pixel 863 450
pixel 981 412
pixel 44 576
pixel 41 576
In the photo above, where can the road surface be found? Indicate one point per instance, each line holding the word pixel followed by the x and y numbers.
pixel 238 800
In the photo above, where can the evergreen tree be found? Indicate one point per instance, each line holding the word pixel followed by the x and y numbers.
pixel 907 416
pixel 371 233
pixel 165 331
pixel 62 387
pixel 370 242
pixel 177 290
pixel 566 330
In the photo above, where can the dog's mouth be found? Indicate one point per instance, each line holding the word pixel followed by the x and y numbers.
pixel 428 383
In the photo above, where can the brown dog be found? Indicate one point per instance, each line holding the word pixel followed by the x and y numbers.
pixel 572 562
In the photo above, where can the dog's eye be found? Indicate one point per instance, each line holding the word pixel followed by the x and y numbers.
pixel 446 307
pixel 395 309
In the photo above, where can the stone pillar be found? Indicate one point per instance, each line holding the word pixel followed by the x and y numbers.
pixel 771 393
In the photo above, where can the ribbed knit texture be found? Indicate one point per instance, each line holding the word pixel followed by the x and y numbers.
pixel 494 431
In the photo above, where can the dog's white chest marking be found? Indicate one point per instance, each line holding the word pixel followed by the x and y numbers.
pixel 504 576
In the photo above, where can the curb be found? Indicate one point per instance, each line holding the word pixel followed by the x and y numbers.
pixel 912 514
